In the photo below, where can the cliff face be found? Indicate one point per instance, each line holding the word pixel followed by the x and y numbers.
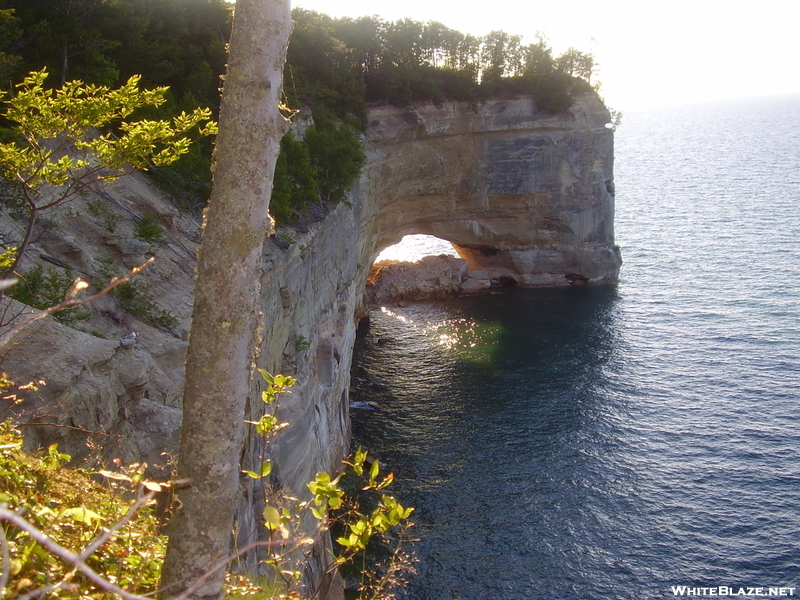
pixel 522 195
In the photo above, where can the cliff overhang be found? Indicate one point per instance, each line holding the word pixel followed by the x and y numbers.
pixel 525 197
pixel 521 194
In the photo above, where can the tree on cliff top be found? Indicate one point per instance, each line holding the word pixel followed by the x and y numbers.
pixel 225 322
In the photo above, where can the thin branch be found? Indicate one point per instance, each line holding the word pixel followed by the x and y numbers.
pixel 70 427
pixel 78 560
pixel 106 535
pixel 58 550
pixel 60 263
pixel 89 179
pixel 25 241
pixel 71 300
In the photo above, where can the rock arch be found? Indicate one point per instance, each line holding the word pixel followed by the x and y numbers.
pixel 522 195
pixel 526 196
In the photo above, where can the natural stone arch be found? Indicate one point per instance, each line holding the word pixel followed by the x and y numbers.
pixel 526 196
pixel 520 193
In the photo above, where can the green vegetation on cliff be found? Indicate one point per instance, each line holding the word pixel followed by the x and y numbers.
pixel 64 535
pixel 346 63
pixel 335 67
pixel 73 510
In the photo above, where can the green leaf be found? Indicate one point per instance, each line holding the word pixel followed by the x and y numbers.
pixel 265 375
pixel 358 461
pixel 266 469
pixel 82 515
pixel 272 518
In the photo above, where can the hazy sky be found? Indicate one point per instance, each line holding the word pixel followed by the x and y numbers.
pixel 649 53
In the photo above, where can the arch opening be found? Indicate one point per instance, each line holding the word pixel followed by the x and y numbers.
pixel 415 247
pixel 422 266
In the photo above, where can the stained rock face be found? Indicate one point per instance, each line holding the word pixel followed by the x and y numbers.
pixel 525 197
pixel 521 194
pixel 88 389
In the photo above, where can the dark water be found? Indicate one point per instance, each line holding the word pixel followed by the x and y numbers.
pixel 614 442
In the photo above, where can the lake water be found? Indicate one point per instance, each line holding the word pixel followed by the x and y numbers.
pixel 614 442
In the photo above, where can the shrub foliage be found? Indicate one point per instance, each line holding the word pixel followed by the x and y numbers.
pixel 335 66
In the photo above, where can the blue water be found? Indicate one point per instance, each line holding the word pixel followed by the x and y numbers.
pixel 612 442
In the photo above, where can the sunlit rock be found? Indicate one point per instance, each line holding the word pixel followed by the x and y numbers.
pixel 526 198
pixel 520 193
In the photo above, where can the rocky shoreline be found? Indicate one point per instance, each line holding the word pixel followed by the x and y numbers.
pixel 434 277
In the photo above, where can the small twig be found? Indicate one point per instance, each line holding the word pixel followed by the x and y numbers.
pixel 61 263
pixel 70 427
pixel 104 194
pixel 57 549
pixel 106 535
pixel 71 300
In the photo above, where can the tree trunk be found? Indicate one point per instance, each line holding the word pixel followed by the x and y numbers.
pixel 226 318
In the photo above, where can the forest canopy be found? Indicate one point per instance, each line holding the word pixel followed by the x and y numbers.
pixel 335 67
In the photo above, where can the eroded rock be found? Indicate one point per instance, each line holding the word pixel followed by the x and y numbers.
pixel 525 197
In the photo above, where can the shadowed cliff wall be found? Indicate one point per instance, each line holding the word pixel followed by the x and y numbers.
pixel 522 195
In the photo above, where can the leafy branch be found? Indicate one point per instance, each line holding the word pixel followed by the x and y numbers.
pixel 69 301
pixel 58 154
pixel 284 514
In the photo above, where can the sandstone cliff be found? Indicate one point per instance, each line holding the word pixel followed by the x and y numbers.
pixel 520 194
pixel 524 196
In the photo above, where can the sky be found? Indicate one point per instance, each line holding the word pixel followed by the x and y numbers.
pixel 650 52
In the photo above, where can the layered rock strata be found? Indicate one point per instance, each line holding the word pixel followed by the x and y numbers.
pixel 521 194
pixel 524 196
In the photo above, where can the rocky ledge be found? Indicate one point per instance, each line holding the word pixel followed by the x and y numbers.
pixel 431 277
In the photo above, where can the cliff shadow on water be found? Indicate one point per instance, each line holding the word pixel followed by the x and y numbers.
pixel 496 353
pixel 460 397
pixel 499 332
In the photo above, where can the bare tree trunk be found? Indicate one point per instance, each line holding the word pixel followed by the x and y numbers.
pixel 226 318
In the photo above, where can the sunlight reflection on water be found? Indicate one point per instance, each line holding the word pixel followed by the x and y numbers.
pixel 610 442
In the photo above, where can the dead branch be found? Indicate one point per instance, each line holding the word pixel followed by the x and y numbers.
pixel 141 500
pixel 66 555
pixel 71 300
pixel 79 560
pixel 60 426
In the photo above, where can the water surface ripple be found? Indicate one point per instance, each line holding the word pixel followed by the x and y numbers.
pixel 613 442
